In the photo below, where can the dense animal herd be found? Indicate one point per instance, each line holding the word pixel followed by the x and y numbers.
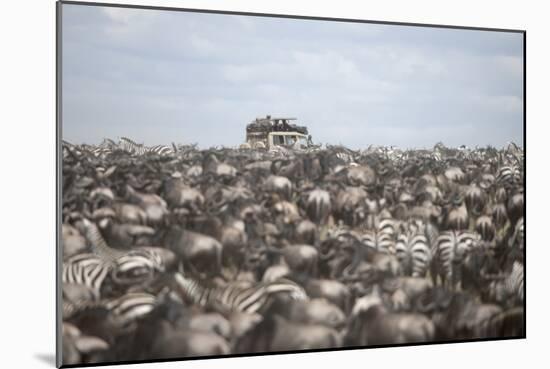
pixel 172 251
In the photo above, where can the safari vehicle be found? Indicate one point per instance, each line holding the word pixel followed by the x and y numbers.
pixel 271 133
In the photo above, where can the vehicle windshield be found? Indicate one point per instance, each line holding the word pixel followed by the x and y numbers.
pixel 289 140
pixel 278 139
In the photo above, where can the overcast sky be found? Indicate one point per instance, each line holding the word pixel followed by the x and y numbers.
pixel 160 77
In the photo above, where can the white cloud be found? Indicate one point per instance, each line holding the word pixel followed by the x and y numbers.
pixel 156 74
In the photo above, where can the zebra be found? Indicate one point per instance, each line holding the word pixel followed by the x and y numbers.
pixel 100 152
pixel 125 309
pixel 513 284
pixel 413 252
pixel 451 249
pixel 347 158
pixel 518 238
pixel 69 149
pixel 134 148
pixel 420 226
pixel 237 296
pixel 86 269
pixel 131 306
pixel 386 226
pixel 107 143
pixel 379 240
pixel 509 289
pixel 509 175
pixel 136 266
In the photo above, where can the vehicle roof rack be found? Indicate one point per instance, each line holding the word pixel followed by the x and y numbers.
pixel 269 124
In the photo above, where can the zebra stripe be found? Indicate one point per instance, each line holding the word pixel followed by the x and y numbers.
pixel 70 149
pixel 513 284
pixel 386 226
pixel 379 241
pixel 509 175
pixel 127 267
pixel 509 290
pixel 236 296
pixel 139 149
pixel 101 152
pixel 137 267
pixel 518 237
pixel 98 243
pixel 419 226
pixel 131 306
pixel 451 249
pixel 128 145
pixel 86 269
pixel 126 308
pixel 345 157
pixel 413 252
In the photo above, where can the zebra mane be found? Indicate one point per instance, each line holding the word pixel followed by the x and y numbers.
pixel 130 141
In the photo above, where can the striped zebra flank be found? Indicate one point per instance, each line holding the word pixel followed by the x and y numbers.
pixel 136 266
pixel 126 308
pixel 509 175
pixel 451 249
pixel 386 226
pixel 98 244
pixel 131 306
pixel 101 152
pixel 518 238
pixel 69 149
pixel 414 253
pixel 134 148
pixel 237 296
pixel 513 284
pixel 86 269
pixel 379 241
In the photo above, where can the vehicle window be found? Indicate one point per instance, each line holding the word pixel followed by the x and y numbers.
pixel 291 140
